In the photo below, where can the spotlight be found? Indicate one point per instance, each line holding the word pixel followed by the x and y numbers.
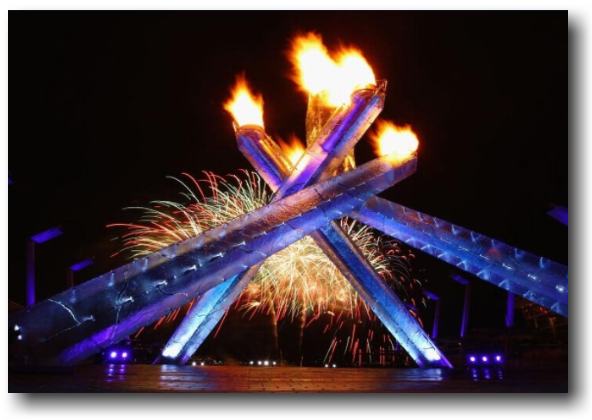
pixel 326 365
pixel 113 355
pixel 251 363
pixel 19 337
pixel 266 363
pixel 124 355
pixel 258 362
pixel 193 363
pixel 273 363
pixel 333 365
pixel 472 359
pixel 498 358
pixel 202 364
pixel 17 327
pixel 485 359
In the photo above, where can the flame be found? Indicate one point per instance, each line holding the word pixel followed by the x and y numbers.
pixel 334 76
pixel 293 150
pixel 245 107
pixel 396 142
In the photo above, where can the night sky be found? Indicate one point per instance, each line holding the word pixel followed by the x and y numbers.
pixel 104 105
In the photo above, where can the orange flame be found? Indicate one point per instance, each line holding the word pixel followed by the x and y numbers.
pixel 397 143
pixel 245 107
pixel 333 76
pixel 293 150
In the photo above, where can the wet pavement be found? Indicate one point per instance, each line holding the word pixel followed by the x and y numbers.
pixel 169 378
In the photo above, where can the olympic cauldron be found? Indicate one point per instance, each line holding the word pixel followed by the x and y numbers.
pixel 309 196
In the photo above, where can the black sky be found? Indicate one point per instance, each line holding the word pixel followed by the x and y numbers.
pixel 104 105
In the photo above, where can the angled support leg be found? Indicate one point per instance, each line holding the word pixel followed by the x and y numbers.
pixel 535 278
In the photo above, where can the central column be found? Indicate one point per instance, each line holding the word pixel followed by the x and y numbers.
pixel 317 114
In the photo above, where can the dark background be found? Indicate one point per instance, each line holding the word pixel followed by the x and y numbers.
pixel 104 105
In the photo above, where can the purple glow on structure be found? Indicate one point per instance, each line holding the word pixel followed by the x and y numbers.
pixel 560 214
pixel 460 279
pixel 510 302
pixel 431 295
pixel 47 235
pixel 81 265
pixel 435 298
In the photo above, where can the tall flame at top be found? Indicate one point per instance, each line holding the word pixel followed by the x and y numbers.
pixel 245 107
pixel 395 142
pixel 333 76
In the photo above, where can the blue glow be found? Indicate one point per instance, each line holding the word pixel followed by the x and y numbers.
pixel 81 265
pixel 197 316
pixel 485 359
pixel 432 354
pixel 431 295
pixel 560 214
pixel 47 235
pixel 460 279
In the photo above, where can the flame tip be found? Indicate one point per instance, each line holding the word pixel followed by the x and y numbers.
pixel 245 107
pixel 334 76
pixel 397 142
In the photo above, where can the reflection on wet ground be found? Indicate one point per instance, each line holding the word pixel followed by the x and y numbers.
pixel 169 378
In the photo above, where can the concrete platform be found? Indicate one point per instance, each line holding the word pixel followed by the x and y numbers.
pixel 168 378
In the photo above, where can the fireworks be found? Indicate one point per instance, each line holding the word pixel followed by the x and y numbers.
pixel 297 283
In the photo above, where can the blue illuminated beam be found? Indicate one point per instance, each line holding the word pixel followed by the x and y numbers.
pixel 31 277
pixel 203 317
pixel 535 278
pixel 436 299
pixel 464 323
pixel 47 235
pixel 560 214
pixel 81 265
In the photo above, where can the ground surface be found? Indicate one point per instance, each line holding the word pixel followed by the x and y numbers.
pixel 166 378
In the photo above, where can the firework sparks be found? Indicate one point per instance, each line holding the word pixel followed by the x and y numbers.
pixel 299 283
